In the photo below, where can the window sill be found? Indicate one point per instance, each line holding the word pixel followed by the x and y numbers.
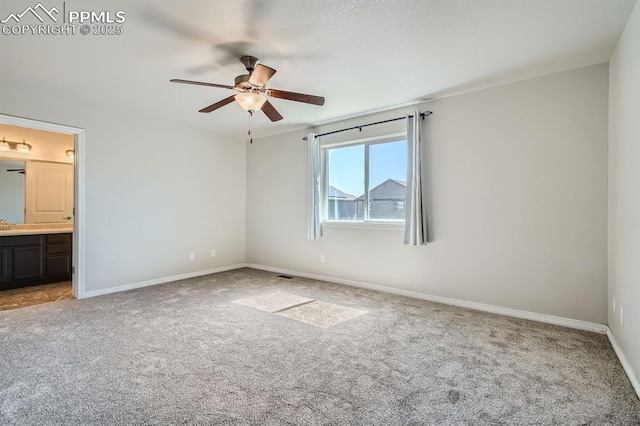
pixel 377 225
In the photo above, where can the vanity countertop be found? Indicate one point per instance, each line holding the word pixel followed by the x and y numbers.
pixel 37 229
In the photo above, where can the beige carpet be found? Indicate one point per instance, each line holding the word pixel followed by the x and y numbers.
pixel 321 314
pixel 273 302
pixel 35 295
pixel 313 312
pixel 184 353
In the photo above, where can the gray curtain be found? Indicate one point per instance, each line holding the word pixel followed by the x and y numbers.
pixel 313 219
pixel 415 228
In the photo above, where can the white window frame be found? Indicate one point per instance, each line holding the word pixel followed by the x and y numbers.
pixel 391 224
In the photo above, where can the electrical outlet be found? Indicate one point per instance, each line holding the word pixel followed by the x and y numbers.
pixel 213 253
pixel 192 256
pixel 322 258
pixel 621 316
pixel 614 304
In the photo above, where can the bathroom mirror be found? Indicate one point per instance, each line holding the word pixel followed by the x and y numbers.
pixel 35 191
pixel 12 190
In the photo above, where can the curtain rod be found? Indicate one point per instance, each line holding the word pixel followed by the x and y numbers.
pixel 422 115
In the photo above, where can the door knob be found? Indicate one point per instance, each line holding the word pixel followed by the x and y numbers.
pixel 67 218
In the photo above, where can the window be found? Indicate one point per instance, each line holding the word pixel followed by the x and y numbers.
pixel 365 181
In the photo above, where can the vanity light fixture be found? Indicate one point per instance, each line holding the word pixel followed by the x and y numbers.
pixel 21 147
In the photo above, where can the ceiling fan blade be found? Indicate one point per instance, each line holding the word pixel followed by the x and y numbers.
pixel 271 112
pixel 219 104
pixel 261 74
pixel 298 97
pixel 200 83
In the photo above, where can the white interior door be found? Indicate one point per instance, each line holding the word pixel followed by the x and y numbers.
pixel 49 192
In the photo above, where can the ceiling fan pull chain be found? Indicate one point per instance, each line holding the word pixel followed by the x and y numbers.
pixel 250 122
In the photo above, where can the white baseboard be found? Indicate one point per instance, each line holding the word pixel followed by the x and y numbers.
pixel 550 319
pixel 155 281
pixel 625 364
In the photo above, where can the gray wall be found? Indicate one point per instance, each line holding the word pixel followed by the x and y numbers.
pixel 155 191
pixel 517 181
pixel 624 192
pixel 517 198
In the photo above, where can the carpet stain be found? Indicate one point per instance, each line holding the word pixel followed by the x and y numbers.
pixel 454 396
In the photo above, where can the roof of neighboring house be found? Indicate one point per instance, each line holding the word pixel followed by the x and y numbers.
pixel 390 189
pixel 339 194
pixel 399 182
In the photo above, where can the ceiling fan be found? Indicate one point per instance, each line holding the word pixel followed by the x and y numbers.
pixel 253 92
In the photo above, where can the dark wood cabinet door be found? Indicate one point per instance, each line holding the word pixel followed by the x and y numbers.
pixel 57 265
pixel 57 257
pixel 59 239
pixel 27 262
pixel 4 265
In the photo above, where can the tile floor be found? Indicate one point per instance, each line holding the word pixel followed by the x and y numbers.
pixel 35 295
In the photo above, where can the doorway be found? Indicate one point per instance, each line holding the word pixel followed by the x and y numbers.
pixel 78 219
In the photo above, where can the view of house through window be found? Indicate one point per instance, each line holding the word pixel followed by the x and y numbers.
pixel 366 181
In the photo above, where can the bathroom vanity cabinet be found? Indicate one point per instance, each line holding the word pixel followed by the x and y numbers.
pixel 34 259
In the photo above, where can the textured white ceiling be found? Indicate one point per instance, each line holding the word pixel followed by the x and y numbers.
pixel 362 55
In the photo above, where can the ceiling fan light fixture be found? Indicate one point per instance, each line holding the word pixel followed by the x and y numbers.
pixel 253 91
pixel 250 101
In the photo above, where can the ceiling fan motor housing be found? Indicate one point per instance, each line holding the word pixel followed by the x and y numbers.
pixel 242 81
pixel 249 63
